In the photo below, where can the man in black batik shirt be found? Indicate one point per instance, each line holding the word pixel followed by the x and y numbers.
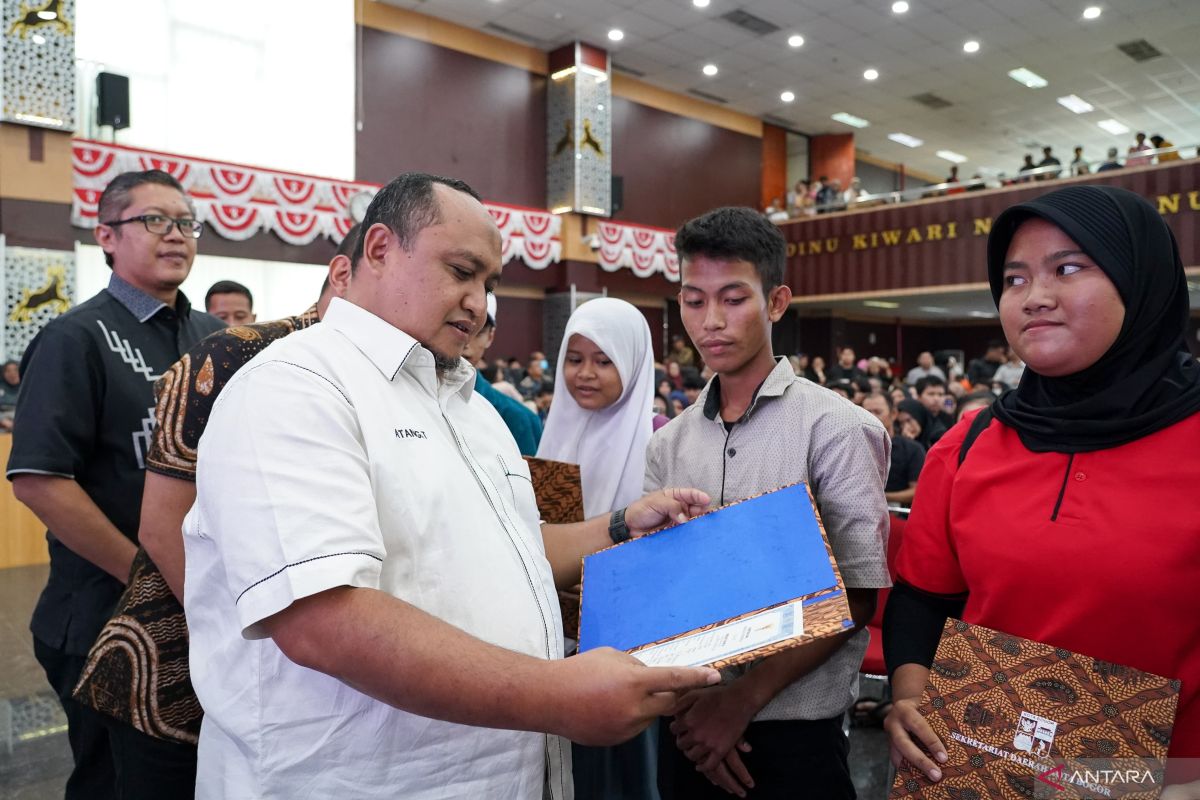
pixel 78 458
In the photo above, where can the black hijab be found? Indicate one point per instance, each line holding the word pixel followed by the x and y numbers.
pixel 917 410
pixel 1147 380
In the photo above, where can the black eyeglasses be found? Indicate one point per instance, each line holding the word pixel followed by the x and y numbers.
pixel 161 226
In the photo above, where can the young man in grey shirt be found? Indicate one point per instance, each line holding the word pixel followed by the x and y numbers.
pixel 775 726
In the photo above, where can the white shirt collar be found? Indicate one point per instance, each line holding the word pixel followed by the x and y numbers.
pixel 391 349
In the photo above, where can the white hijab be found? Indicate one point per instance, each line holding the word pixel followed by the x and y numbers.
pixel 608 445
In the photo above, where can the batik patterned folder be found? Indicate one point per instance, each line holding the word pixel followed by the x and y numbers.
pixel 559 492
pixel 1026 720
pixel 730 586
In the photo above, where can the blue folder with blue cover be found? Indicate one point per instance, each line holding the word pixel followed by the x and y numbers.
pixel 727 587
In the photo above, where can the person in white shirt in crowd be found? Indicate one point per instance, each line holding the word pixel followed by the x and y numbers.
pixel 924 368
pixel 371 601
pixel 1009 373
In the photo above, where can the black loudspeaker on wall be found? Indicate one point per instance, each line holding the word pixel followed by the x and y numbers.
pixel 112 100
pixel 618 193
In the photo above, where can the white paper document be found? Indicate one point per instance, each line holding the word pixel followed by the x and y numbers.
pixel 725 641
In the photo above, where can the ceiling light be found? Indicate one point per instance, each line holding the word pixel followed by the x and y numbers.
pixel 899 7
pixel 1075 103
pixel 1091 12
pixel 934 309
pixel 981 314
pixel 1113 127
pixel 1028 77
pixel 880 304
pixel 616 35
pixel 906 140
pixel 795 40
pixel 52 15
pixel 950 155
pixel 39 39
pixel 787 97
pixel 871 74
pixel 700 3
pixel 709 70
pixel 971 46
pixel 850 119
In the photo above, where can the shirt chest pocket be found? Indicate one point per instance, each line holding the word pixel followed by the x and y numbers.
pixel 516 487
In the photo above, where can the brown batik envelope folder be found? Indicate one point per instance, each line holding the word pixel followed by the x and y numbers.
pixel 558 488
pixel 1021 720
pixel 727 587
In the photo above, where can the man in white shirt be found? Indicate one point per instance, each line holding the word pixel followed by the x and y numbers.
pixel 924 368
pixel 371 602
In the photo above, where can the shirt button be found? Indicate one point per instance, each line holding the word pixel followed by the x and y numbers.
pixel 1079 476
pixel 732 452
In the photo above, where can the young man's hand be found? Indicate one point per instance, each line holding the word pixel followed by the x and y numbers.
pixel 708 727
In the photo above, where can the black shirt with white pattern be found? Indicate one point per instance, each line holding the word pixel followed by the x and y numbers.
pixel 86 411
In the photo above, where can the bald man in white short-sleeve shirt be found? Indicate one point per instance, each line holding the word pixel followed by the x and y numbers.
pixel 369 593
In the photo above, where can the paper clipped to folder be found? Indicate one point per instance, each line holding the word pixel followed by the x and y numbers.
pixel 728 587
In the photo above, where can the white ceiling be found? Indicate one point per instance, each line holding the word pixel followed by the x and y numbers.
pixel 994 120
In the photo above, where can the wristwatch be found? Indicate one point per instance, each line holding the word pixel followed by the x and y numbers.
pixel 618 531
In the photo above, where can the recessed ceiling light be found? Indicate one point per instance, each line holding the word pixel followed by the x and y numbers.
pixel 1075 103
pixel 700 3
pixel 1091 12
pixel 39 39
pixel 709 70
pixel 971 46
pixel 795 40
pixel 616 34
pixel 906 140
pixel 850 119
pixel 1028 77
pixel 950 155
pixel 934 309
pixel 53 15
pixel 787 97
pixel 899 7
pixel 871 74
pixel 1113 127
pixel 981 314
pixel 880 304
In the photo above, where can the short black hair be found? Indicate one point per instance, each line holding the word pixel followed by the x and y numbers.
pixel 547 387
pixel 927 381
pixel 997 343
pixel 407 205
pixel 227 287
pixel 736 232
pixel 115 197
pixel 694 382
pixel 887 398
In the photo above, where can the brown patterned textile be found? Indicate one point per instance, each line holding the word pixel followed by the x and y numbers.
pixel 558 488
pixel 137 671
pixel 1020 718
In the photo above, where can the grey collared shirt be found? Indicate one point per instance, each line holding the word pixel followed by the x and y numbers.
pixel 793 431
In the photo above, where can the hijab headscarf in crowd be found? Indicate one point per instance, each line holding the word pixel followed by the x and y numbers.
pixel 608 445
pixel 917 410
pixel 1147 380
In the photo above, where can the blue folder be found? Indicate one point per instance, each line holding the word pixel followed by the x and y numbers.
pixel 739 559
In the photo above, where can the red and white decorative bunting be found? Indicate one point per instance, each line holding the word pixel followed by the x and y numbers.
pixel 239 202
pixel 641 249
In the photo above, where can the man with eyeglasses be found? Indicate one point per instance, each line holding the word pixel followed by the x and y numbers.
pixel 87 410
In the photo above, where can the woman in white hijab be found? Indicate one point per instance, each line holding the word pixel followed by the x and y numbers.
pixel 601 419
pixel 603 409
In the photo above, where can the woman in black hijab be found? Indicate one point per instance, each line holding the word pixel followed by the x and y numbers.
pixel 913 412
pixel 1069 511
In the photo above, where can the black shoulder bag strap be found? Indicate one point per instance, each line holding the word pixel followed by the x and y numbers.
pixel 978 426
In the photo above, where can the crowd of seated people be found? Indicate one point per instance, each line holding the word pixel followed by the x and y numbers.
pixel 825 195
